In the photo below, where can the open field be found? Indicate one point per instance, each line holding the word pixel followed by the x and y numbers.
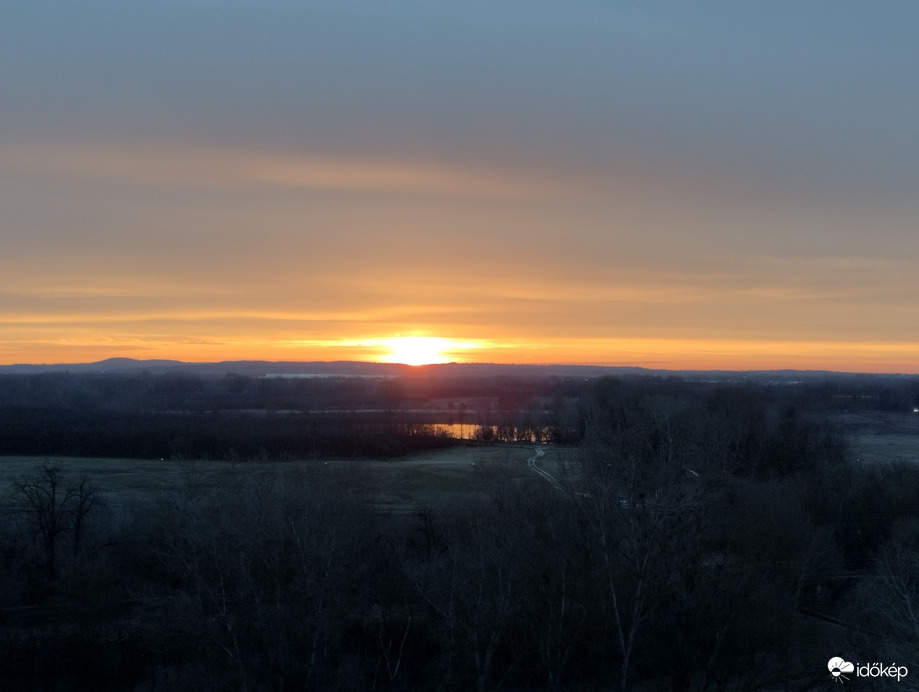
pixel 398 485
pixel 391 485
pixel 882 437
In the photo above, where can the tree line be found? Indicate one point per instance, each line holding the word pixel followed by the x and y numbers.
pixel 182 416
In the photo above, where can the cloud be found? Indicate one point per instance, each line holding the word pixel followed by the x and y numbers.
pixel 203 167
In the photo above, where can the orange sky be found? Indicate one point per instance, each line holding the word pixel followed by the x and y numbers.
pixel 713 187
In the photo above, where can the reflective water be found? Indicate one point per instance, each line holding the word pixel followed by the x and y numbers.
pixel 503 433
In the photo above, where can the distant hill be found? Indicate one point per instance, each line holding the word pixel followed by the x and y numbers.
pixel 253 368
pixel 257 368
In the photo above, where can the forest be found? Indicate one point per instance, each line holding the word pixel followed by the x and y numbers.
pixel 705 535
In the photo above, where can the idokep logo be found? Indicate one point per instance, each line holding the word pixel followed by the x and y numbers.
pixel 839 668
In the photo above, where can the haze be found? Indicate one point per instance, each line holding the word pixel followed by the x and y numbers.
pixel 670 185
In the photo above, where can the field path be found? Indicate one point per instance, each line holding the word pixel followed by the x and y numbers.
pixel 531 462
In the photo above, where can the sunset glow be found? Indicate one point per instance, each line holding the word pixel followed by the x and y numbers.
pixel 416 350
pixel 360 184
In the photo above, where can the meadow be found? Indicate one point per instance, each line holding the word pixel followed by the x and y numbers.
pixel 882 437
pixel 389 485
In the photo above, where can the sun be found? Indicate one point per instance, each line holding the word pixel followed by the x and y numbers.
pixel 417 350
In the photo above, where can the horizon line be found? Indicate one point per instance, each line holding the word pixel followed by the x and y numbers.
pixel 408 366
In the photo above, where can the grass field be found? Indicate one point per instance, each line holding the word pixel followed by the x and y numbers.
pixel 883 437
pixel 398 485
pixel 391 485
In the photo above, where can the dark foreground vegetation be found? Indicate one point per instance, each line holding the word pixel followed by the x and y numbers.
pixel 707 536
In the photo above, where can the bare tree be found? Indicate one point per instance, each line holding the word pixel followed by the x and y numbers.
pixel 386 627
pixel 887 604
pixel 84 498
pixel 47 507
pixel 630 546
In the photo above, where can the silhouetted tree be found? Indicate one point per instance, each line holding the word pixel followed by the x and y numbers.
pixel 46 507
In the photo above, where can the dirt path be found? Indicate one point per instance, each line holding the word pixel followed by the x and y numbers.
pixel 531 462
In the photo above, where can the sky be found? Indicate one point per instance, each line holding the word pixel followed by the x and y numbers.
pixel 706 185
